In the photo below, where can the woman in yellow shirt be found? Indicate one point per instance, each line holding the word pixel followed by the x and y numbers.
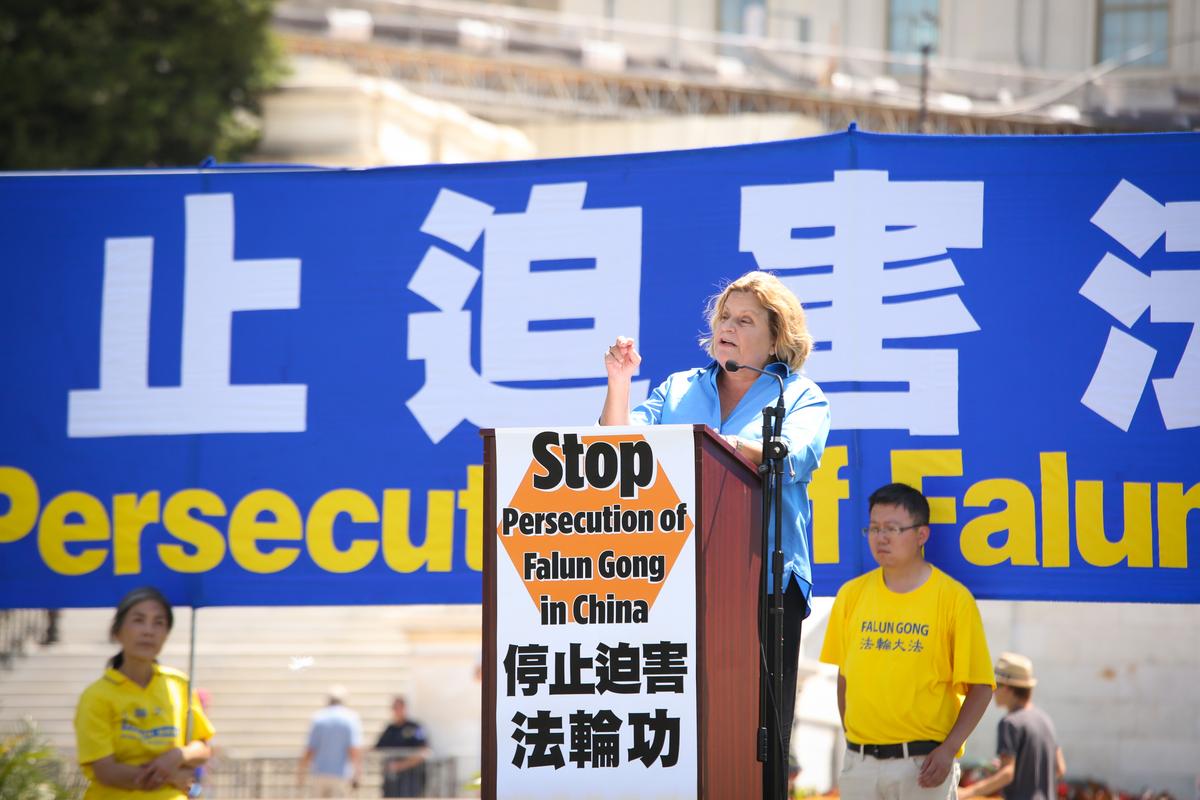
pixel 131 724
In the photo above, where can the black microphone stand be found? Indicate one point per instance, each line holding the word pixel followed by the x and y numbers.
pixel 771 735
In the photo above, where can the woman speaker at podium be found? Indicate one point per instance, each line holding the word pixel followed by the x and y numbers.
pixel 757 331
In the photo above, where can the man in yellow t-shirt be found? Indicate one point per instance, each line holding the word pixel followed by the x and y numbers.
pixel 134 724
pixel 914 672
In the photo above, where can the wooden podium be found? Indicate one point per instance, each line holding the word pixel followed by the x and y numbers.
pixel 728 563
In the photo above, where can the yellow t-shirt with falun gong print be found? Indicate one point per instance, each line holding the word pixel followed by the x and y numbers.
pixel 117 717
pixel 907 658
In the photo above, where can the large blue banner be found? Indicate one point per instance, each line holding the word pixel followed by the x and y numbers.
pixel 265 387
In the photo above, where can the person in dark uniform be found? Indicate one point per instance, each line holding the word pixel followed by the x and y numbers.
pixel 404 770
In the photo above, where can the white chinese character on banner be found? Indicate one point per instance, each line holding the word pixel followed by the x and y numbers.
pixel 1136 220
pixel 216 284
pixel 560 282
pixel 858 249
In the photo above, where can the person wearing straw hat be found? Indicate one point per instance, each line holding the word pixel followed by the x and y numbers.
pixel 1030 760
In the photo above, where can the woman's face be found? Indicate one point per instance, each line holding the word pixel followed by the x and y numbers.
pixel 143 631
pixel 743 331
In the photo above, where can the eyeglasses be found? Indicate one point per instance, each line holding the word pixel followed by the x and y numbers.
pixel 890 530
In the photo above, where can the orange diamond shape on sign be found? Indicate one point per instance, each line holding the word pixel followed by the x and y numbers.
pixel 581 554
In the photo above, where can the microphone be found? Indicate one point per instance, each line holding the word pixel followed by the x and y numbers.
pixel 777 428
pixel 733 366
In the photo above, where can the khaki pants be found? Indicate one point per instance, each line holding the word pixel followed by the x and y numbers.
pixel 869 778
pixel 329 786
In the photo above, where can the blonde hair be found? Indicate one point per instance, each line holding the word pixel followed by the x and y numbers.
pixel 789 329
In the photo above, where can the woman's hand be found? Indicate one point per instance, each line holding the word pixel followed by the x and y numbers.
pixel 622 360
pixel 147 780
pixel 161 769
pixel 183 778
pixel 748 448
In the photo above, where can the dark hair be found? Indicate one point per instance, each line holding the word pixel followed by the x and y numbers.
pixel 904 496
pixel 130 600
pixel 1022 693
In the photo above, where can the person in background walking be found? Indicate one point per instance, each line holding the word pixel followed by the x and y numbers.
pixel 334 752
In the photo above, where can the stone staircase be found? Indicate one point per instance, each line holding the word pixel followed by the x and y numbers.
pixel 269 669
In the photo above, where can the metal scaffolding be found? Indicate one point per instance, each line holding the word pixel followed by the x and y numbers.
pixel 513 65
pixel 508 91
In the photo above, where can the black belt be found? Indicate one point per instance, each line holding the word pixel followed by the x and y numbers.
pixel 919 748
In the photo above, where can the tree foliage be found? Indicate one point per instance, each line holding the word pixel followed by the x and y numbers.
pixel 126 83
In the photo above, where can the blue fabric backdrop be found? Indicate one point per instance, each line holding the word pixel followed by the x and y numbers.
pixel 265 387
